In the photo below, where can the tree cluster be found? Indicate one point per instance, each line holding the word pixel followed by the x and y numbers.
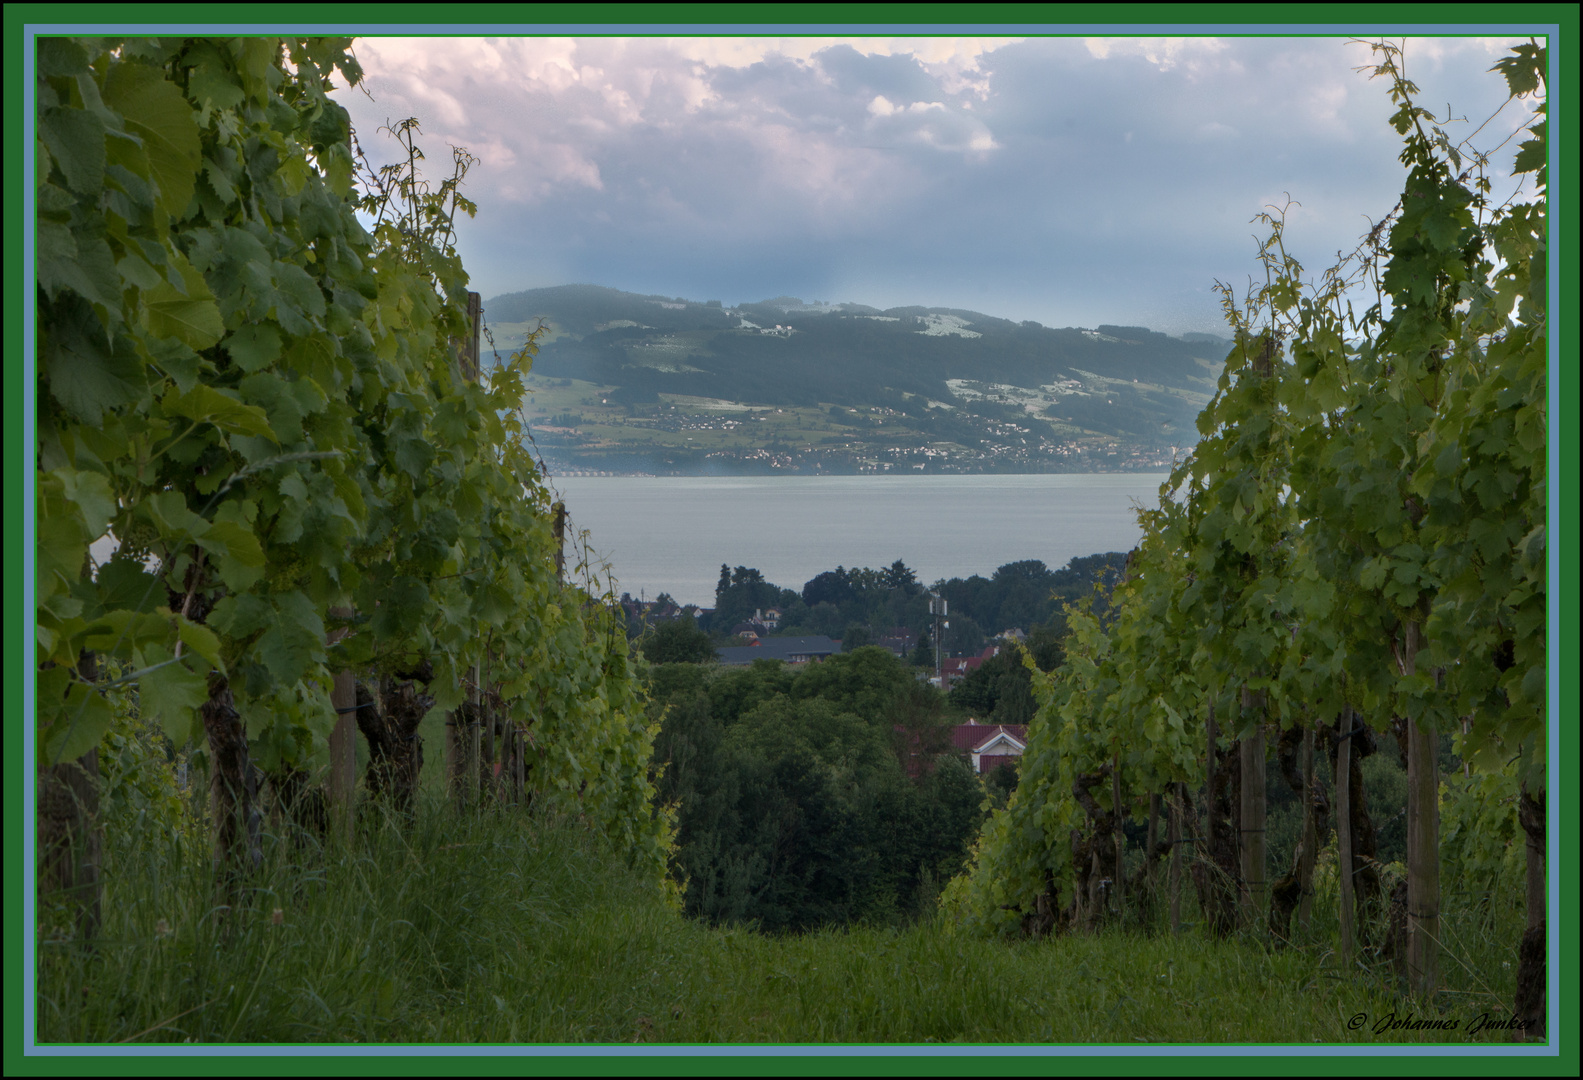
pixel 794 804
pixel 869 603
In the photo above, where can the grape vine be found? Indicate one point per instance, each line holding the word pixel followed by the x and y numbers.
pixel 261 401
pixel 1360 533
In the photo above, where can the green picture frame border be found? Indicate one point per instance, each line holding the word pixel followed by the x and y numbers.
pixel 1559 21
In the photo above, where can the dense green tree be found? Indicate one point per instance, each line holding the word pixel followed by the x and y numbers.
pixel 737 690
pixel 1000 690
pixel 854 637
pixel 678 641
pixel 791 790
pixel 864 682
pixel 830 587
pixel 899 576
pixel 739 594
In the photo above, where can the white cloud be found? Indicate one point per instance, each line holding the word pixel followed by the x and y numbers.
pixel 1163 53
pixel 820 157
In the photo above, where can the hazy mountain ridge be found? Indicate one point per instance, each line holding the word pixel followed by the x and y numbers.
pixel 952 378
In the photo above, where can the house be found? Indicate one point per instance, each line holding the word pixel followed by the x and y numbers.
pixel 988 763
pixel 747 630
pixel 985 746
pixel 999 748
pixel 792 650
pixel 957 668
pixel 768 619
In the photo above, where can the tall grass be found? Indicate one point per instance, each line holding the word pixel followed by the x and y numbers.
pixel 519 928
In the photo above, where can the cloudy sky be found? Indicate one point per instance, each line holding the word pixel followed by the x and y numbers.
pixel 1074 181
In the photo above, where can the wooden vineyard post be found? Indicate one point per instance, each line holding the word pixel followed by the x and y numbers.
pixel 519 772
pixel 490 759
pixel 1252 795
pixel 341 784
pixel 558 529
pixel 1212 736
pixel 1121 837
pixel 1305 866
pixel 1529 1007
pixel 512 769
pixel 467 348
pixel 70 837
pixel 1177 809
pixel 1423 841
pixel 1153 839
pixel 456 756
pixel 461 725
pixel 474 740
pixel 1344 833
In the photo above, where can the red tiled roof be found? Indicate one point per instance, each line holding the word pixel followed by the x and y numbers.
pixel 994 737
pixel 968 737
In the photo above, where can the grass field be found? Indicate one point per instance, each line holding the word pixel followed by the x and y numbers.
pixel 517 928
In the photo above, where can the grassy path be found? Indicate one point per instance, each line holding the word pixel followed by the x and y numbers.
pixel 513 930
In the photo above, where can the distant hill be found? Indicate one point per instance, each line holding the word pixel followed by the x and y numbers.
pixel 940 368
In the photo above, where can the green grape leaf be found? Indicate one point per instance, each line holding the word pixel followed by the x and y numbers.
pixel 178 361
pixel 61 56
pixel 234 541
pixel 81 262
pixel 295 282
pixel 90 493
pixel 155 111
pixel 75 138
pixel 212 85
pixel 254 346
pixel 77 727
pixel 294 638
pixel 191 317
pixel 1522 69
pixel 1530 155
pixel 401 607
pixel 167 512
pixel 200 640
pixel 123 583
pixel 219 408
pixel 88 374
pixel 171 693
pixel 61 550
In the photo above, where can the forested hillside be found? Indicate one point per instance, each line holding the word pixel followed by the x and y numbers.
pixel 979 391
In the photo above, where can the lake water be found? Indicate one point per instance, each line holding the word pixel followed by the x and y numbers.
pixel 670 534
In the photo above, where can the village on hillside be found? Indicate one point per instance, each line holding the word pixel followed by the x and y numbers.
pixel 986 745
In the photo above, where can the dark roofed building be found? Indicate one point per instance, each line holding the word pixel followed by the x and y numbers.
pixel 793 650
